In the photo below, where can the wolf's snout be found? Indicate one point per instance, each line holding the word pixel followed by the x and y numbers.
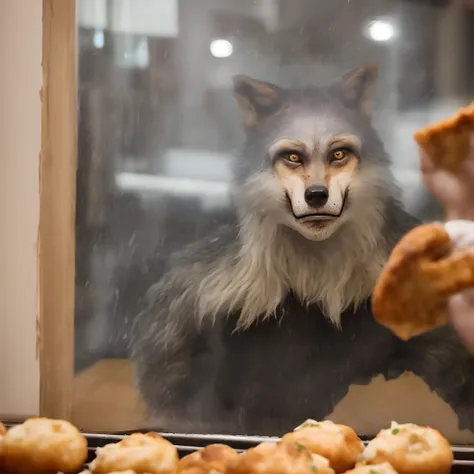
pixel 316 195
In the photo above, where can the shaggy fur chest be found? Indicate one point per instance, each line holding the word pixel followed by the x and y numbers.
pixel 333 275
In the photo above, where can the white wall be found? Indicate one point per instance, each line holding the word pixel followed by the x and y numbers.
pixel 20 140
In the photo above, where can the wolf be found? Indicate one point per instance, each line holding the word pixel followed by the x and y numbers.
pixel 267 322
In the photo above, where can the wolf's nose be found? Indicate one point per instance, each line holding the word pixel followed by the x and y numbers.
pixel 316 195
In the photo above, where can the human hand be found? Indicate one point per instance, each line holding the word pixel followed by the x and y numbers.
pixel 461 315
pixel 461 306
pixel 455 192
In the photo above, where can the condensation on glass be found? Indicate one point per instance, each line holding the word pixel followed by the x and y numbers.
pixel 165 163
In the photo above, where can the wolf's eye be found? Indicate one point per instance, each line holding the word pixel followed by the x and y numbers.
pixel 338 155
pixel 293 158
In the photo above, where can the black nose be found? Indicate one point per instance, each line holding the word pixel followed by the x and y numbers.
pixel 316 195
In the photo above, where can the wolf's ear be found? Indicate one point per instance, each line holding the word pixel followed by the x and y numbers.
pixel 256 99
pixel 357 88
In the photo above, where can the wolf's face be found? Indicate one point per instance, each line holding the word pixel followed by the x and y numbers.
pixel 312 159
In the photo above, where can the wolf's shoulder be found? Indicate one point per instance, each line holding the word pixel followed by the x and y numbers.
pixel 221 242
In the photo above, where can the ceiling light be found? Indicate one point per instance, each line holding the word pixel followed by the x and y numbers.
pixel 221 48
pixel 381 30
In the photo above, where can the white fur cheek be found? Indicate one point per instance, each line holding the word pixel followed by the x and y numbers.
pixel 339 184
pixel 461 234
pixel 337 189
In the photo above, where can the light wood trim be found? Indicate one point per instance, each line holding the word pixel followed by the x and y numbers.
pixel 57 209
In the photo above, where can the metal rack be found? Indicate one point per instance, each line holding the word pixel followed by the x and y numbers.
pixel 188 443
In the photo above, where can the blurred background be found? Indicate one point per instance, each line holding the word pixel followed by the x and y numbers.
pixel 158 126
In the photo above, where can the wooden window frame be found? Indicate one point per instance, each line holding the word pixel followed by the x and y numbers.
pixel 56 239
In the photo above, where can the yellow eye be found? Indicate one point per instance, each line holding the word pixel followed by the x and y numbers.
pixel 338 155
pixel 293 158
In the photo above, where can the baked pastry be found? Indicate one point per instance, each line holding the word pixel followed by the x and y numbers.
pixel 114 472
pixel 279 458
pixel 384 468
pixel 41 445
pixel 3 432
pixel 410 449
pixel 337 443
pixel 212 459
pixel 123 472
pixel 422 272
pixel 447 142
pixel 142 453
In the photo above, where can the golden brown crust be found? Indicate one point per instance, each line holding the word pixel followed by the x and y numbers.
pixel 410 449
pixel 123 472
pixel 42 445
pixel 410 296
pixel 447 142
pixel 384 468
pixel 337 443
pixel 142 453
pixel 114 472
pixel 279 458
pixel 215 457
pixel 3 430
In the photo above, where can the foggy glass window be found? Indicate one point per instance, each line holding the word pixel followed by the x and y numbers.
pixel 224 264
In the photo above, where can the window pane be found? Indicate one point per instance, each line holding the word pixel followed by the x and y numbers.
pixel 224 261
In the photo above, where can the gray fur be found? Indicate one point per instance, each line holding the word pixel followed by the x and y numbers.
pixel 250 279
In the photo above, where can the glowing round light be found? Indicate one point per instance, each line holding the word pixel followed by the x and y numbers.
pixel 381 30
pixel 221 48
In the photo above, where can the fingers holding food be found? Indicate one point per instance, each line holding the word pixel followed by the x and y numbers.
pixel 454 273
pixel 410 449
pixel 41 445
pixel 447 163
pixel 337 443
pixel 461 233
pixel 428 242
pixel 142 453
pixel 447 143
pixel 422 272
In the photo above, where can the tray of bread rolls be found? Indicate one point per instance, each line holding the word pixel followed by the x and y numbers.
pixel 47 446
